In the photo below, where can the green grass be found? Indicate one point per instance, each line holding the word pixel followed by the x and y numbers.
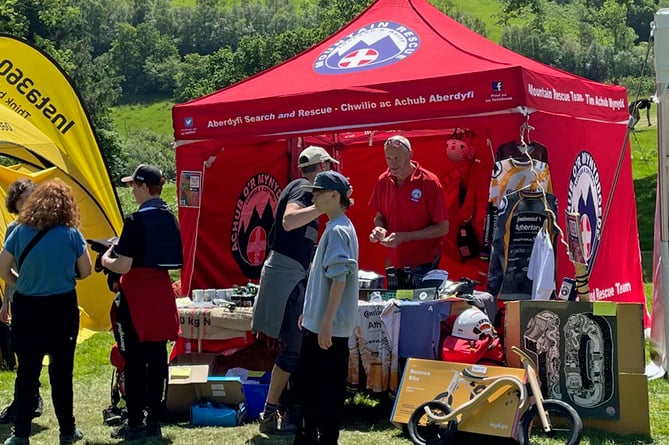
pixel 155 116
pixel 363 423
pixel 643 143
pixel 488 12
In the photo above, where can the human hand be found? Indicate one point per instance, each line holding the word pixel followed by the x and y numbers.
pixel 4 312
pixel 325 336
pixel 378 233
pixel 393 240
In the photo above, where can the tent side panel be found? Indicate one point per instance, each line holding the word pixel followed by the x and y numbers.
pixel 225 238
pixel 583 165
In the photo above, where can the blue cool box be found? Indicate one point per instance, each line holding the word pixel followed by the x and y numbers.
pixel 221 402
pixel 255 391
pixel 207 414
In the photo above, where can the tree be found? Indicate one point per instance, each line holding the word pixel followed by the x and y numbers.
pixel 135 51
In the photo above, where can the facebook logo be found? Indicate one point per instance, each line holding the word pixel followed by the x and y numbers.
pixel 497 85
pixel 188 122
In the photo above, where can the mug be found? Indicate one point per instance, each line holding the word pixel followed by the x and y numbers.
pixel 224 294
pixel 209 294
pixel 198 295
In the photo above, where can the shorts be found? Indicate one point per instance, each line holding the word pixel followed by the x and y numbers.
pixel 290 336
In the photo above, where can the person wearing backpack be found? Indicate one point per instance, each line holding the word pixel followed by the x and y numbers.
pixel 17 194
pixel 50 254
pixel 144 313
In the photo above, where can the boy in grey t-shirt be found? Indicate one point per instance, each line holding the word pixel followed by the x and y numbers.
pixel 330 307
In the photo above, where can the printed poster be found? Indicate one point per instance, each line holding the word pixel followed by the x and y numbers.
pixel 190 189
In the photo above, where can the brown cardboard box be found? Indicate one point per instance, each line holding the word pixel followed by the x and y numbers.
pixel 617 362
pixel 634 416
pixel 185 374
pixel 629 330
pixel 425 379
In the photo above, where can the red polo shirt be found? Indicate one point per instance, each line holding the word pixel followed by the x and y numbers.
pixel 416 204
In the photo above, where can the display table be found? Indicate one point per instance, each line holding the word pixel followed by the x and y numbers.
pixel 203 321
pixel 209 328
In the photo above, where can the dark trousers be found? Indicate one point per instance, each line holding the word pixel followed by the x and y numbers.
pixel 44 326
pixel 145 380
pixel 321 387
pixel 145 368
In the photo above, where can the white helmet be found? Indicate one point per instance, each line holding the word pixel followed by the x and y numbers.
pixel 473 324
pixel 458 150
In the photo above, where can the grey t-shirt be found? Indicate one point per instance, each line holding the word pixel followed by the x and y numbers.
pixel 336 259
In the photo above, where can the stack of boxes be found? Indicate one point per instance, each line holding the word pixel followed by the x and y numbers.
pixel 195 392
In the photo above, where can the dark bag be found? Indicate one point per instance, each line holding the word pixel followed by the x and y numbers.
pixel 7 357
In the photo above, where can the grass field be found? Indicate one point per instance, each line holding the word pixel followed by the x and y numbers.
pixel 155 115
pixel 364 423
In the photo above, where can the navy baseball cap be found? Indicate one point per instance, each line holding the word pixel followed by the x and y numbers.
pixel 148 174
pixel 329 180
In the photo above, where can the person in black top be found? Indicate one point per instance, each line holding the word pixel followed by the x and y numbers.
pixel 283 279
pixel 640 104
pixel 144 313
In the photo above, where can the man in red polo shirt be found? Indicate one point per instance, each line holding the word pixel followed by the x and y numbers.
pixel 411 215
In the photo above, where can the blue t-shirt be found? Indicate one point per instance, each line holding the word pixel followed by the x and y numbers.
pixel 49 267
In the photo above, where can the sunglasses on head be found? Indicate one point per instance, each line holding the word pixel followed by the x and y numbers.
pixel 396 143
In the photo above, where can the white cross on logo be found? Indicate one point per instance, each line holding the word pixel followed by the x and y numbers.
pixel 358 58
pixel 256 246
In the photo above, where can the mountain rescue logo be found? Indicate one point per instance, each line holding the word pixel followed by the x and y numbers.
pixel 373 46
pixel 585 198
pixel 252 221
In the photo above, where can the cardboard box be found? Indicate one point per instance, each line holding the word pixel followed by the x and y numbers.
pixel 186 374
pixel 581 349
pixel 630 347
pixel 634 417
pixel 423 380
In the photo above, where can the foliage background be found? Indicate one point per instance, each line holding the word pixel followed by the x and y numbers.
pixel 152 53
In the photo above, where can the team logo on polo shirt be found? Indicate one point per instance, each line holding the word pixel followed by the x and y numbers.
pixel 373 46
pixel 585 198
pixel 416 194
pixel 253 219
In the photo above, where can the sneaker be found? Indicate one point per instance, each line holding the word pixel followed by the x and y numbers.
pixel 274 423
pixel 127 432
pixel 153 430
pixel 13 440
pixel 69 439
pixel 7 415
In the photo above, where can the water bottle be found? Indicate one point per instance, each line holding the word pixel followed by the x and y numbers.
pixel 188 350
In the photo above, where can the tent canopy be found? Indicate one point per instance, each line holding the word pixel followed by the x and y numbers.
pixel 401 63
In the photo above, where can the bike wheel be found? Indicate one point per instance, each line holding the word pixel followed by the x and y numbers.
pixel 565 422
pixel 425 431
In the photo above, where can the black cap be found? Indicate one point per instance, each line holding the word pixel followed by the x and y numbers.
pixel 148 174
pixel 329 180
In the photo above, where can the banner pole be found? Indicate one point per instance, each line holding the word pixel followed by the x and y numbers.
pixel 661 39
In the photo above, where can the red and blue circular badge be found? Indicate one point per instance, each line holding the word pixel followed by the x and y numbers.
pixel 373 46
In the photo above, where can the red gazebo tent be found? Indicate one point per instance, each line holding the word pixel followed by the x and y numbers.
pixel 402 65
